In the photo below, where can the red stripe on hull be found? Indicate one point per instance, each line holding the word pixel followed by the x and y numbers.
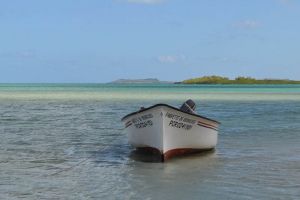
pixel 171 153
pixel 207 127
pixel 183 151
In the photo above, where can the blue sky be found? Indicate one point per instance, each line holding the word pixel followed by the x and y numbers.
pixel 104 40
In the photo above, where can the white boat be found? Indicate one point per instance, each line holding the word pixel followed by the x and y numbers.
pixel 170 131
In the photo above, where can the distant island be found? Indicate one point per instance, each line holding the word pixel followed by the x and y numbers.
pixel 147 80
pixel 238 80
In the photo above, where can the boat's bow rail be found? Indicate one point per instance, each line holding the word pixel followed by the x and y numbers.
pixel 166 105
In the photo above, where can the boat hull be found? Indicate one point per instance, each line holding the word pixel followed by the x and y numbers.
pixel 170 132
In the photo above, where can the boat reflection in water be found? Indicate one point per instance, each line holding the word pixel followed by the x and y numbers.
pixel 155 156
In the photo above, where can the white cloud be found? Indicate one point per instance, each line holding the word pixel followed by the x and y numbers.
pixel 248 24
pixel 285 1
pixel 171 58
pixel 145 1
pixel 289 3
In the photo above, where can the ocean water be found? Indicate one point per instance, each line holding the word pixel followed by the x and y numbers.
pixel 66 141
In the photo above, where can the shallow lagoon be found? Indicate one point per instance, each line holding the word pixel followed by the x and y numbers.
pixel 66 142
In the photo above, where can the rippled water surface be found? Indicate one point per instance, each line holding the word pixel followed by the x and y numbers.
pixel 67 142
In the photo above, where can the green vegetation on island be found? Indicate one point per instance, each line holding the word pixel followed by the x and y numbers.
pixel 238 80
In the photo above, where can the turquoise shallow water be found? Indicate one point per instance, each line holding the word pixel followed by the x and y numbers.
pixel 65 141
pixel 147 92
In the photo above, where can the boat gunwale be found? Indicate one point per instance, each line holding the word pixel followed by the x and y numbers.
pixel 166 105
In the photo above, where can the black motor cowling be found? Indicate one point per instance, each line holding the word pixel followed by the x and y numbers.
pixel 189 106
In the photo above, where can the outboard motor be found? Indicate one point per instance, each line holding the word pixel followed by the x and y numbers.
pixel 189 106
